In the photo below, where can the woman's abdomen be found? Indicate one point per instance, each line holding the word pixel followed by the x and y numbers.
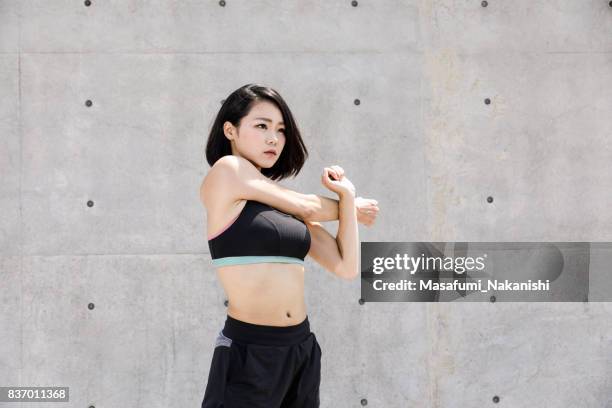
pixel 269 294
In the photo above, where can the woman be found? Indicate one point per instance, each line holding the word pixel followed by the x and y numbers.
pixel 259 234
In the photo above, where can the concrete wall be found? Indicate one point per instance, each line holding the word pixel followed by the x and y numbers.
pixel 119 301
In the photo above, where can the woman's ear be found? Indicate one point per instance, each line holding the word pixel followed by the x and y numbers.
pixel 229 130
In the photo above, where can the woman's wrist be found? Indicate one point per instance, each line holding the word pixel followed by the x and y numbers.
pixel 346 194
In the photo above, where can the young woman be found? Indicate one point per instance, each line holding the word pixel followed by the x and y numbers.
pixel 259 234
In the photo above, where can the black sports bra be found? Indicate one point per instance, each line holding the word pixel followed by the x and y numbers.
pixel 260 233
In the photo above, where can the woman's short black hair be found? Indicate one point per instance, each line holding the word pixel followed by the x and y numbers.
pixel 236 106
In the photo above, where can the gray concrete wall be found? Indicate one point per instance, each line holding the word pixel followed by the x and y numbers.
pixel 421 141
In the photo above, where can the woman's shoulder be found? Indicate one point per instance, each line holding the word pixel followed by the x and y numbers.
pixel 231 163
pixel 222 182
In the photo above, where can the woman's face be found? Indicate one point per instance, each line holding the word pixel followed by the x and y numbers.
pixel 261 130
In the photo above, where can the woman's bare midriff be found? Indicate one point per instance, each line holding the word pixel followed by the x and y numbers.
pixel 270 294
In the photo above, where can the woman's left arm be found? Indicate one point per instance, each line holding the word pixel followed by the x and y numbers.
pixel 340 255
pixel 324 248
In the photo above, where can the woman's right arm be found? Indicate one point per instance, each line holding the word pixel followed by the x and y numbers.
pixel 233 178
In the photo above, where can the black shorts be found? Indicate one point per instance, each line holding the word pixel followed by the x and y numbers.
pixel 264 366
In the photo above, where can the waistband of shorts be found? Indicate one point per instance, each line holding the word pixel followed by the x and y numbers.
pixel 244 332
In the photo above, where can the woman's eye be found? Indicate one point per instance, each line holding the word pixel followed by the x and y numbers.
pixel 264 125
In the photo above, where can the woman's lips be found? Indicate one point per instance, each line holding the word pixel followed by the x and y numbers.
pixel 270 154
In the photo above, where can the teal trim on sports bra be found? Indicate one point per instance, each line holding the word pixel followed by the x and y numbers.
pixel 241 260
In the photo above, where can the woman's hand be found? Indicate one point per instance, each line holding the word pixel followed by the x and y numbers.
pixel 367 210
pixel 334 180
